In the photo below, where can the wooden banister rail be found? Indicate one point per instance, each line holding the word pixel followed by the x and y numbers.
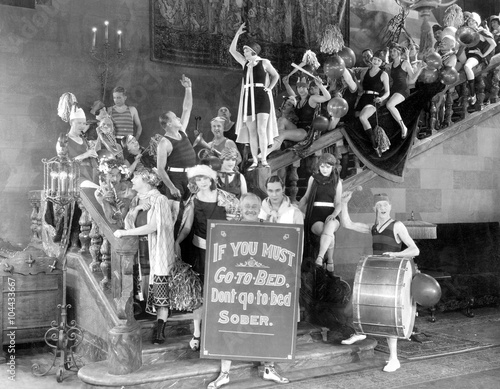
pixel 124 340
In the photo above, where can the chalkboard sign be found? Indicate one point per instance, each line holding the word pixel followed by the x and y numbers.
pixel 252 278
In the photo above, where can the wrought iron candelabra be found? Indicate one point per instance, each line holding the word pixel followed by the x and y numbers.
pixel 105 57
pixel 61 188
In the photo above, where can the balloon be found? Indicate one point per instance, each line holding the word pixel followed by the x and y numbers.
pixel 434 61
pixel 448 75
pixel 425 290
pixel 320 123
pixel 467 36
pixel 337 107
pixel 428 76
pixel 334 67
pixel 348 56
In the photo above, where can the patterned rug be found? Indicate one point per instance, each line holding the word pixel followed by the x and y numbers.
pixel 435 344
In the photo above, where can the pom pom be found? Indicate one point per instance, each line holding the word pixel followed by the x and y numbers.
pixel 453 16
pixel 310 58
pixel 185 289
pixel 66 103
pixel 332 40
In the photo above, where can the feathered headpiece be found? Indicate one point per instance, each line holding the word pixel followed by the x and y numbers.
pixel 66 102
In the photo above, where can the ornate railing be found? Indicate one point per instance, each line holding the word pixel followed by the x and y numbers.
pixel 442 111
pixel 114 258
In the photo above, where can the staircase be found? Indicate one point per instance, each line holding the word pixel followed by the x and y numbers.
pixel 174 364
pixel 100 283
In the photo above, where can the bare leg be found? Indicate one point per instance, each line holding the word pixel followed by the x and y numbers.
pixel 262 119
pixel 254 141
pixel 364 115
pixel 469 73
pixel 395 99
pixel 287 131
pixel 393 362
pixel 327 241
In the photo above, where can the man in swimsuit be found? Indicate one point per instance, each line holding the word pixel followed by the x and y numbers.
pixel 388 236
pixel 175 153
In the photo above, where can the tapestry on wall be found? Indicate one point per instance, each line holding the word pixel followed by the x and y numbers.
pixel 199 32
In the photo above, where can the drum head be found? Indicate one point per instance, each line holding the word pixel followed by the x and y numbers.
pixel 382 302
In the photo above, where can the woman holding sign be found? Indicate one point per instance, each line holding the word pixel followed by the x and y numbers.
pixel 207 202
pixel 249 210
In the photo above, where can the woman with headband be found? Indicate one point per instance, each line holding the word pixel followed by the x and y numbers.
pixel 150 218
pixel 400 71
pixel 256 122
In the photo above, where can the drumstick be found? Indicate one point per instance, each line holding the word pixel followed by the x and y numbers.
pixel 304 71
pixel 358 188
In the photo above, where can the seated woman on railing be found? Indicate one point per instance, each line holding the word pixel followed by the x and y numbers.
pixel 150 217
pixel 308 101
pixel 475 55
pixel 400 71
pixel 375 88
pixel 322 204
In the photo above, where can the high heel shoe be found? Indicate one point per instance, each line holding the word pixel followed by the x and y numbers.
pixel 404 130
pixel 194 343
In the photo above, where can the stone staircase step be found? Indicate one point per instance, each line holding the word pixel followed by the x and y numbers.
pixel 176 346
pixel 313 355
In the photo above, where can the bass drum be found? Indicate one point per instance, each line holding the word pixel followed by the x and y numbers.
pixel 382 302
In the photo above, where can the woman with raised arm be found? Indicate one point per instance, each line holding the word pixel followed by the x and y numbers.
pixel 401 70
pixel 256 122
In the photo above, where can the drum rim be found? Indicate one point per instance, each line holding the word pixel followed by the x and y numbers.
pixel 403 332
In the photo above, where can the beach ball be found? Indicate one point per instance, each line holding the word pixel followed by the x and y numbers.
pixel 425 290
pixel 448 75
pixel 334 67
pixel 337 107
pixel 348 56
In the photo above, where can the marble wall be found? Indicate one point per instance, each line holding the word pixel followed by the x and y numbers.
pixel 455 182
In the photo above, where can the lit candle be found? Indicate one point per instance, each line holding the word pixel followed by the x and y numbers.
pixel 71 189
pixel 106 31
pixel 119 41
pixel 53 182
pixel 63 183
pixel 94 31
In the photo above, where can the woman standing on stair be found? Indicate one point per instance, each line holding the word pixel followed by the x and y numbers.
pixel 322 205
pixel 207 202
pixel 158 230
pixel 375 87
pixel 401 71
pixel 256 122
